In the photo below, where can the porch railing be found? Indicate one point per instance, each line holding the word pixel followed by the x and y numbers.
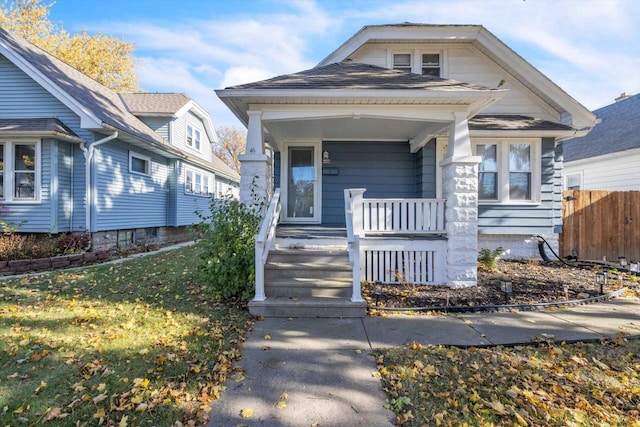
pixel 265 241
pixel 393 257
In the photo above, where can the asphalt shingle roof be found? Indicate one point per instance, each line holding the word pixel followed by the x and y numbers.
pixel 154 103
pixel 102 102
pixel 619 130
pixel 353 75
pixel 513 122
pixel 35 125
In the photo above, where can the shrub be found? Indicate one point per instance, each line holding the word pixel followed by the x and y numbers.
pixel 488 258
pixel 228 254
pixel 15 246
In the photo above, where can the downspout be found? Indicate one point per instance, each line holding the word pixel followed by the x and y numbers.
pixel 88 156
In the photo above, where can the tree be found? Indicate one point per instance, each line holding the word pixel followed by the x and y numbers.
pixel 232 141
pixel 106 59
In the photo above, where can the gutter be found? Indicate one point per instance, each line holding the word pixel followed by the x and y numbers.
pixel 88 157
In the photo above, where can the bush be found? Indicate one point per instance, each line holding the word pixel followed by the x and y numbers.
pixel 488 258
pixel 227 240
pixel 15 246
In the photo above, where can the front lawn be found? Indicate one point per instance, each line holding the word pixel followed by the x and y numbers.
pixel 580 384
pixel 135 343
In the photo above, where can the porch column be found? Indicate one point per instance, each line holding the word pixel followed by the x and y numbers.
pixel 460 189
pixel 254 164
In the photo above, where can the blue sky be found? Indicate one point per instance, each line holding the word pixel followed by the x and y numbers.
pixel 590 48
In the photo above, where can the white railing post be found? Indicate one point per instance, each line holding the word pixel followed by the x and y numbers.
pixel 357 258
pixel 264 241
pixel 357 211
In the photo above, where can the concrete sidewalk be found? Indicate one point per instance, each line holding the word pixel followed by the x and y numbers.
pixel 324 366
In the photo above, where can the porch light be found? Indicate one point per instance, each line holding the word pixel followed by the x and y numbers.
pixel 601 280
pixel 507 287
pixel 377 290
pixel 622 261
pixel 325 157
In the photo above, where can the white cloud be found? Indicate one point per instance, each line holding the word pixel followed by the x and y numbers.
pixel 238 75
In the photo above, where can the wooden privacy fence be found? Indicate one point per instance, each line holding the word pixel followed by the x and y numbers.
pixel 597 224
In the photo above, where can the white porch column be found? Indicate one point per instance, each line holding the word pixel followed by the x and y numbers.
pixel 460 189
pixel 254 164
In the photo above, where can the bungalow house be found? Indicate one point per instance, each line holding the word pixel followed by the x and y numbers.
pixel 424 142
pixel 608 157
pixel 77 157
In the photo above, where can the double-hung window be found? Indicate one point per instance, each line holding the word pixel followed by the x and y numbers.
pixel 425 63
pixel 402 61
pixel 194 137
pixel 431 64
pixel 19 171
pixel 196 182
pixel 509 171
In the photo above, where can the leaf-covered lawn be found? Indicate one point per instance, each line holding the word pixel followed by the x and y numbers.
pixel 583 384
pixel 135 343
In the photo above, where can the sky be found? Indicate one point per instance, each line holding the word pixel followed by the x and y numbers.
pixel 590 48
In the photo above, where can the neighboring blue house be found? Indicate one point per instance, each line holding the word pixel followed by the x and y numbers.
pixel 78 157
pixel 607 158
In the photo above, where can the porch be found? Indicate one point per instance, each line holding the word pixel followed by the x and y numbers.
pixel 317 271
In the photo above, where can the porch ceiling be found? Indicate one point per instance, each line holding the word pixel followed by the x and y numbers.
pixel 350 128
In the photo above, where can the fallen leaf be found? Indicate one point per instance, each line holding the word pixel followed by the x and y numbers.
pixel 99 398
pixel 246 413
pixel 100 413
pixel 281 405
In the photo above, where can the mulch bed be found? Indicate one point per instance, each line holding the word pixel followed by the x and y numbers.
pixel 534 282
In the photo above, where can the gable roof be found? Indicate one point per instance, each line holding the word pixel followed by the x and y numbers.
pixel 156 104
pixel 97 105
pixel 485 42
pixel 618 130
pixel 353 75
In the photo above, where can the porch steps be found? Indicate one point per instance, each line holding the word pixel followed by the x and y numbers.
pixel 307 282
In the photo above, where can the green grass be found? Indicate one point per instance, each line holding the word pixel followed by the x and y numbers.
pixel 580 384
pixel 135 343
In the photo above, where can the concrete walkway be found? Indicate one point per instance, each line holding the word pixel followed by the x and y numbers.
pixel 324 366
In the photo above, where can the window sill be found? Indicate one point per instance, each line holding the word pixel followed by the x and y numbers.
pixel 509 203
pixel 188 193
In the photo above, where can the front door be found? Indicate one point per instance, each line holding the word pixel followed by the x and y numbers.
pixel 302 190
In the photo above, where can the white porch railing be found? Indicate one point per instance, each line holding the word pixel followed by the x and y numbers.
pixel 389 257
pixel 265 241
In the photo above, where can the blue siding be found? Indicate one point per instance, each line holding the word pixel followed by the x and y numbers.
pixel 126 200
pixel 79 192
pixel 426 170
pixel 529 220
pixel 385 169
pixel 189 203
pixel 172 193
pixel 159 124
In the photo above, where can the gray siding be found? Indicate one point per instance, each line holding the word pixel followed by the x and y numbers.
pixel 385 169
pixel 529 220
pixel 159 124
pixel 179 135
pixel 126 200
pixel 277 167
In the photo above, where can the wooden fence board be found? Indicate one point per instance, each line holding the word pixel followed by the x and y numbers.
pixel 599 224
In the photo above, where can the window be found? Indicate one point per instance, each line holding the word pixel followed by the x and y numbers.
pixel 426 63
pixel 431 64
pixel 139 164
pixel 194 136
pixel 19 171
pixel 197 182
pixel 508 171
pixel 574 181
pixel 402 61
pixel 487 171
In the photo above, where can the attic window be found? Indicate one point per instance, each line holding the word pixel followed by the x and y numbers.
pixel 194 136
pixel 431 64
pixel 402 61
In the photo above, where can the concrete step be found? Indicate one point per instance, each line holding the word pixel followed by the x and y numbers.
pixel 309 287
pixel 307 307
pixel 297 256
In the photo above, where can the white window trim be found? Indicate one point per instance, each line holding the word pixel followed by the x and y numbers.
pixel 9 170
pixel 416 59
pixel 503 169
pixel 503 145
pixel 147 159
pixel 186 138
pixel 210 180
